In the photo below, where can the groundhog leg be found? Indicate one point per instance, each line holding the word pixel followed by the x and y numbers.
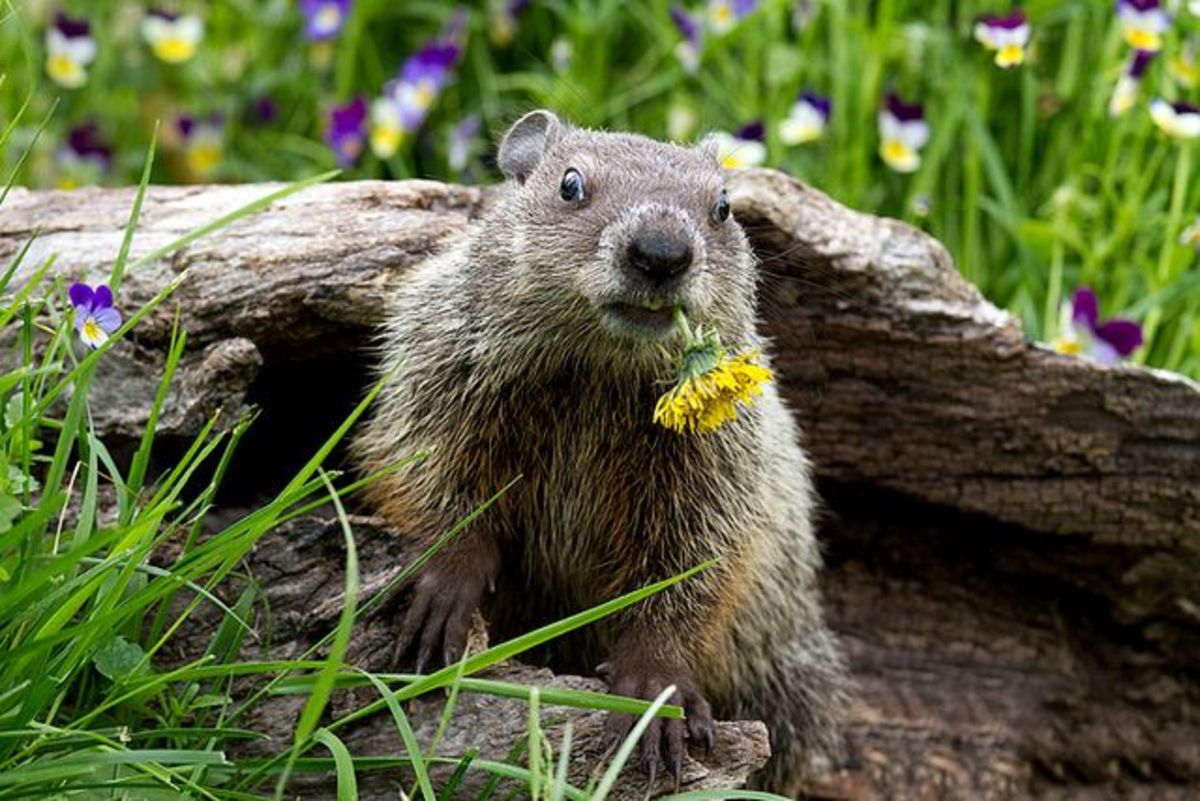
pixel 446 591
pixel 637 671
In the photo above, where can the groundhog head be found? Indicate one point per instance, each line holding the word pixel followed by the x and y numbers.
pixel 632 226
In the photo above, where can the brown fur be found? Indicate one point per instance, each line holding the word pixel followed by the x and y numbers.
pixel 510 368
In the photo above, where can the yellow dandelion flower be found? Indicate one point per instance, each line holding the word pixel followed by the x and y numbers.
pixel 710 385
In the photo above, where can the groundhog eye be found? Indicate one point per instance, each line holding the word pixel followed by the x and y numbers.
pixel 572 189
pixel 720 209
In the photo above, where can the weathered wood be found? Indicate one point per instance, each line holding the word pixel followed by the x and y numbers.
pixel 1014 535
pixel 299 569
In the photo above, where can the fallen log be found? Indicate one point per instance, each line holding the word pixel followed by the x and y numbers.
pixel 1014 535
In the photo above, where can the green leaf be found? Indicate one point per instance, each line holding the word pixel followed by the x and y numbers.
pixel 118 658
pixel 10 507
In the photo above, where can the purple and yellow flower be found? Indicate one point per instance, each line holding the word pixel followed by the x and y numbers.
pixel 464 139
pixel 1185 67
pixel 1084 334
pixel 503 19
pixel 323 19
pixel 70 48
pixel 388 127
pixel 1179 120
pixel 203 140
pixel 173 37
pixel 1006 35
pixel 1143 22
pixel 407 99
pixel 743 148
pixel 724 15
pixel 806 120
pixel 83 158
pixel 347 131
pixel 1129 84
pixel 902 133
pixel 95 318
pixel 688 50
pixel 1190 236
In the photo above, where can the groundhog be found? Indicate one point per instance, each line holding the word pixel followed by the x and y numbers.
pixel 532 350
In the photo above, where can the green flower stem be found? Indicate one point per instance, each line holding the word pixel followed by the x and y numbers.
pixel 690 340
pixel 1183 168
pixel 1179 187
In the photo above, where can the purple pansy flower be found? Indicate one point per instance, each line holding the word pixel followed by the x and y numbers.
pixel 723 15
pixel 688 50
pixel 1143 22
pixel 902 133
pixel 407 99
pixel 263 110
pixel 70 48
pixel 743 148
pixel 173 37
pixel 502 22
pixel 347 130
pixel 95 317
pixel 1179 119
pixel 323 19
pixel 1083 333
pixel 83 157
pixel 806 120
pixel 84 142
pixel 1006 35
pixel 203 140
pixel 1128 86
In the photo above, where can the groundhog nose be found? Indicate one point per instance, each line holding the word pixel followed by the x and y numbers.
pixel 659 256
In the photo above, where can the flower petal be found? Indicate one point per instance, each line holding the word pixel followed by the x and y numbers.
pixel 1125 336
pixel 104 297
pixel 1085 308
pixel 109 319
pixel 81 295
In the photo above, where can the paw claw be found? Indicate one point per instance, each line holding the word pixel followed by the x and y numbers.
pixel 662 745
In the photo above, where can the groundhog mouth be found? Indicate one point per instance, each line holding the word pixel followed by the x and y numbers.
pixel 643 320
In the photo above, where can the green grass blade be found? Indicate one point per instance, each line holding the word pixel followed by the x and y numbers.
pixel 118 270
pixel 323 687
pixel 37 134
pixel 347 784
pixel 232 217
pixel 406 736
pixel 626 750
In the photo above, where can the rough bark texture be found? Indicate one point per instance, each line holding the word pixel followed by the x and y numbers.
pixel 1013 537
pixel 299 570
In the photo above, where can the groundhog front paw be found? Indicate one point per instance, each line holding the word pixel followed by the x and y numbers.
pixel 439 615
pixel 662 743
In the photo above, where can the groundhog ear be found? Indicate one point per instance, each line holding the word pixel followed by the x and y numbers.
pixel 523 145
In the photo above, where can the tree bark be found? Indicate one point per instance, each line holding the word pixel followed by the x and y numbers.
pixel 1013 537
